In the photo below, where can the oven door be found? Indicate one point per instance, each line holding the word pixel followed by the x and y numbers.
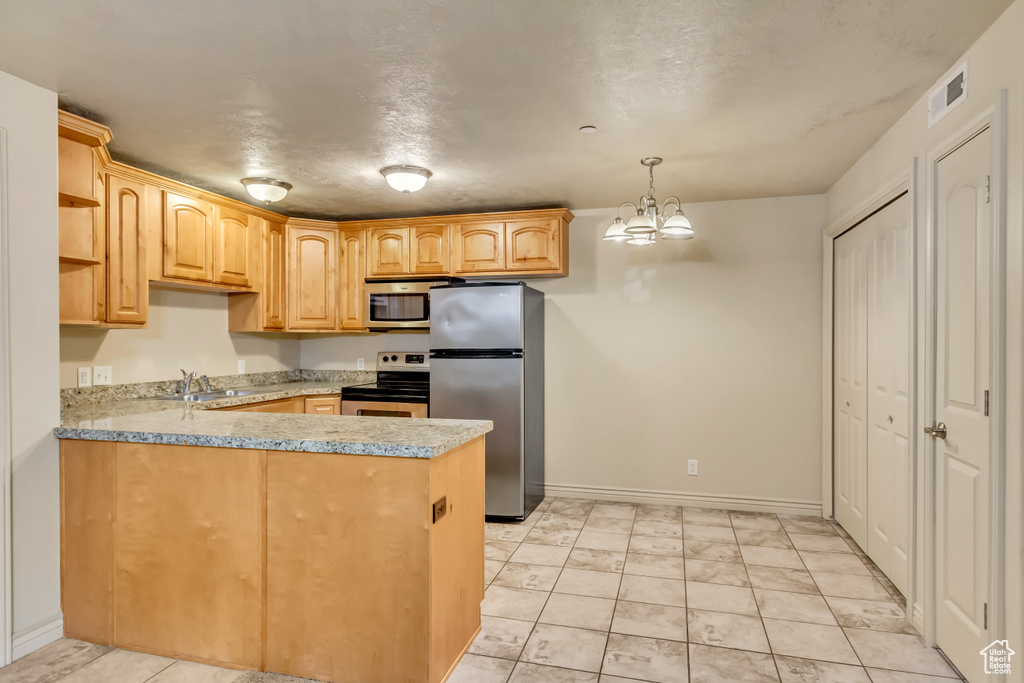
pixel 402 305
pixel 383 409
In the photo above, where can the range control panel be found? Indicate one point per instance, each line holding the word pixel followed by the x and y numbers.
pixel 402 361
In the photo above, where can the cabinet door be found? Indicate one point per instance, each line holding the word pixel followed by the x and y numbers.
pixel 353 274
pixel 326 405
pixel 479 247
pixel 389 251
pixel 232 246
pixel 188 238
pixel 273 293
pixel 429 252
pixel 312 278
pixel 533 245
pixel 127 284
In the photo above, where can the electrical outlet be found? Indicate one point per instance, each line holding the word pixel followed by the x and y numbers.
pixel 241 366
pixel 691 468
pixel 101 375
pixel 84 377
pixel 360 363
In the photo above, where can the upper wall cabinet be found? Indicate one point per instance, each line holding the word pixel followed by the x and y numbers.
pixel 274 280
pixel 233 233
pixel 525 243
pixel 353 275
pixel 479 248
pixel 389 251
pixel 127 284
pixel 312 278
pixel 420 249
pixel 188 238
pixel 429 250
pixel 533 245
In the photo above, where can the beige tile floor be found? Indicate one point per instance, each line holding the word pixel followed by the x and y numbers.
pixel 594 592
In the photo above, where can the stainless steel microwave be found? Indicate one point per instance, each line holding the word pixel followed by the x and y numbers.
pixel 400 304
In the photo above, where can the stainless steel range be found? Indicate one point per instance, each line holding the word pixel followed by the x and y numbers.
pixel 402 388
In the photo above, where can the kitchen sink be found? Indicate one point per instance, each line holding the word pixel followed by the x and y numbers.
pixel 209 395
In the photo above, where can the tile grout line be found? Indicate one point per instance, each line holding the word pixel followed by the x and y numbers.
pixel 831 611
pixel 757 606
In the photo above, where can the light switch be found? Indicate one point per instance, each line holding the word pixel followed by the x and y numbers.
pixel 101 375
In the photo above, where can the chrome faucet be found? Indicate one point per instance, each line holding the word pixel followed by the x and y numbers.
pixel 186 383
pixel 206 382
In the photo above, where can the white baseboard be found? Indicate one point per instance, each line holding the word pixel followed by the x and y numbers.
pixel 745 503
pixel 31 639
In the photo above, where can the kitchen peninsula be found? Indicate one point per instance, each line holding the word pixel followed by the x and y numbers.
pixel 332 547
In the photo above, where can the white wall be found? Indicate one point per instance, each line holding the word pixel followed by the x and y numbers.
pixel 996 63
pixel 186 330
pixel 339 352
pixel 28 114
pixel 708 349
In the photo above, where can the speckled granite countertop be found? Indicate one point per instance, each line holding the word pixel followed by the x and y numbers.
pixel 195 424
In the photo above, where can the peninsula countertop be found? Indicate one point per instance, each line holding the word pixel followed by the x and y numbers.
pixel 198 424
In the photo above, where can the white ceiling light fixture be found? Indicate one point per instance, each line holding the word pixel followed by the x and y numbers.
pixel 405 178
pixel 642 229
pixel 266 189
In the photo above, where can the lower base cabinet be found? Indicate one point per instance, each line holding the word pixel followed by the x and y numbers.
pixel 345 577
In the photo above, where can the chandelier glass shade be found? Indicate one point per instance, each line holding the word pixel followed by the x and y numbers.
pixel 643 227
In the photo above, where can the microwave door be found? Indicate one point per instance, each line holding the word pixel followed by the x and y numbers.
pixel 398 309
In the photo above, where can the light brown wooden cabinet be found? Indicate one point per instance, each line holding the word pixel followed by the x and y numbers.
pixel 188 238
pixel 429 250
pixel 479 248
pixel 233 233
pixel 408 250
pixel 127 284
pixel 533 245
pixel 353 277
pixel 323 405
pixel 312 277
pixel 139 570
pixel 388 251
pixel 274 292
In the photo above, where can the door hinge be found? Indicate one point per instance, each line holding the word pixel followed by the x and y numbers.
pixel 988 189
pixel 986 403
pixel 986 617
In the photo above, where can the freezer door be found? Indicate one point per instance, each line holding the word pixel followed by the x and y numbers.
pixel 487 389
pixel 481 317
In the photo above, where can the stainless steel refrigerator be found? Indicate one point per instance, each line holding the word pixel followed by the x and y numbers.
pixel 487 363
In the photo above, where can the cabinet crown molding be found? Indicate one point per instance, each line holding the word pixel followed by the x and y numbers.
pixel 82 130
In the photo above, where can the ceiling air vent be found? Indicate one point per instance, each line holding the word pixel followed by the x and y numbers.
pixel 947 96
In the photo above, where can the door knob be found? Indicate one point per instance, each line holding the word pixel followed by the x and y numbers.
pixel 939 430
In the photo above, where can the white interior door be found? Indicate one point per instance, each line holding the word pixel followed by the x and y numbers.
pixel 850 394
pixel 888 453
pixel 963 229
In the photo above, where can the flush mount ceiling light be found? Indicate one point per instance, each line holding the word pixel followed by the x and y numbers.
pixel 588 129
pixel 266 189
pixel 406 179
pixel 642 228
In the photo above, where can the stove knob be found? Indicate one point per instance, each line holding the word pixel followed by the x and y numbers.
pixel 394 357
pixel 384 359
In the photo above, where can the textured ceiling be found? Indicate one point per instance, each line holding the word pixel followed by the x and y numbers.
pixel 743 98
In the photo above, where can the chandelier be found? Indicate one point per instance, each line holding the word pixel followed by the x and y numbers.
pixel 642 229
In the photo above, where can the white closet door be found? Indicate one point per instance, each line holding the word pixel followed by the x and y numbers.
pixel 871 379
pixel 850 382
pixel 888 539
